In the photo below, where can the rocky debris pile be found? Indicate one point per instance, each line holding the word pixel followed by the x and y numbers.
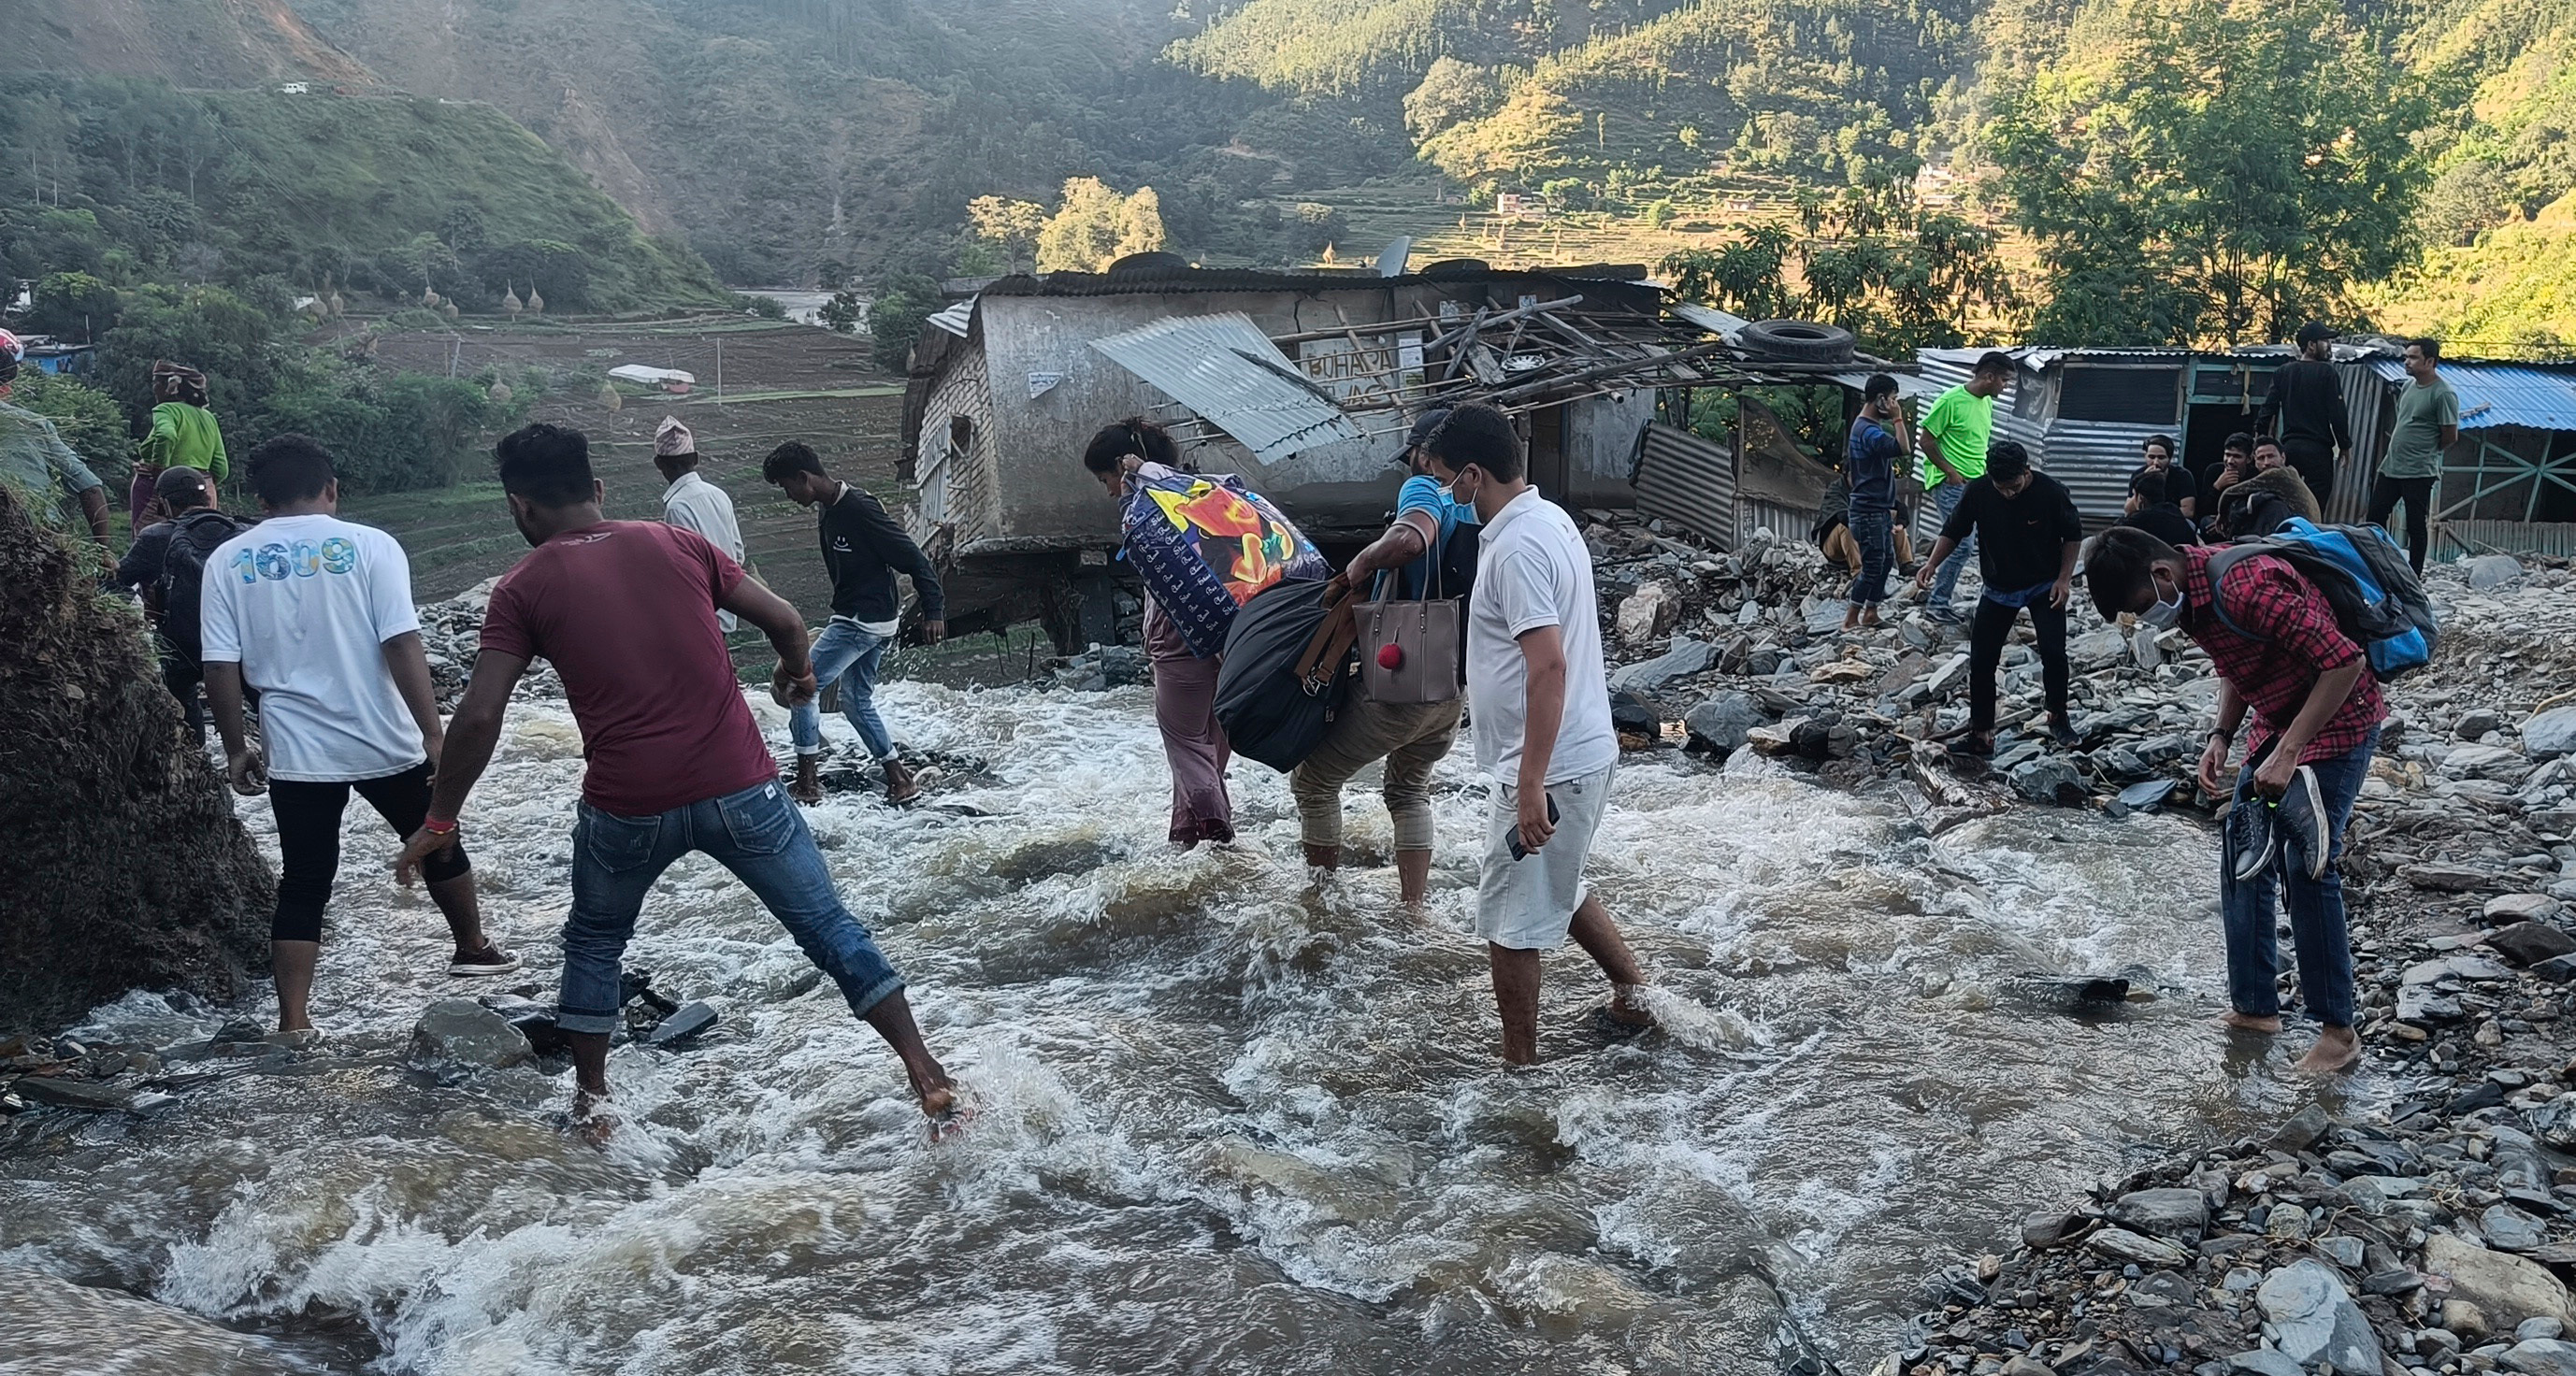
pixel 451 635
pixel 125 865
pixel 1743 656
pixel 2436 1237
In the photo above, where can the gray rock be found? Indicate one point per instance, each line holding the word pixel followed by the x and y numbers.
pixel 2476 723
pixel 2419 1005
pixel 2529 1329
pixel 2025 1365
pixel 2152 793
pixel 1719 724
pixel 2447 878
pixel 2303 1129
pixel 2529 943
pixel 2524 907
pixel 694 1017
pixel 87 1095
pixel 2165 1212
pixel 2551 733
pixel 2346 1252
pixel 2316 1319
pixel 2509 1229
pixel 2541 1356
pixel 2485 762
pixel 2509 1288
pixel 2049 781
pixel 2120 1244
pixel 1686 657
pixel 2049 1227
pixel 2264 1361
pixel 2095 649
pixel 2488 572
pixel 1952 674
pixel 460 1034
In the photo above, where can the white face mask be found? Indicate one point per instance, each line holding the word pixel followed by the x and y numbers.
pixel 2165 614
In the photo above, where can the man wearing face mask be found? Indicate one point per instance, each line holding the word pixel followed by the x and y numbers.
pixel 2316 712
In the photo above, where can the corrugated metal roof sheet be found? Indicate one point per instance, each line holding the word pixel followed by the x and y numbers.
pixel 1687 479
pixel 955 319
pixel 1225 369
pixel 1177 280
pixel 2494 394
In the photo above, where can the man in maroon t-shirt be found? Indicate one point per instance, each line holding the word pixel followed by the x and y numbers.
pixel 626 612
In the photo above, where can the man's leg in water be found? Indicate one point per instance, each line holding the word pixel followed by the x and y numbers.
pixel 308 846
pixel 1600 939
pixel 1432 727
pixel 403 801
pixel 1516 999
pixel 832 654
pixel 614 863
pixel 762 838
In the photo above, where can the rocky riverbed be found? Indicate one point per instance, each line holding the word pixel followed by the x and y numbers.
pixel 1907 999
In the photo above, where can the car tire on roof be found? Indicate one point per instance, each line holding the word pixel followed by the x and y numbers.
pixel 1801 341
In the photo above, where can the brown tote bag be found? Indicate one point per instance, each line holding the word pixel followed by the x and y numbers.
pixel 1424 639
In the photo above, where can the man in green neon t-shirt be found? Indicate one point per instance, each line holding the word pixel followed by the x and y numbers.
pixel 1952 436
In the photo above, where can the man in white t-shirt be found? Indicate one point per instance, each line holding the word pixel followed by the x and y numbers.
pixel 315 615
pixel 1540 702
pixel 693 503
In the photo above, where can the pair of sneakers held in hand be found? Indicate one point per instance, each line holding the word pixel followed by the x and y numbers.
pixel 2260 830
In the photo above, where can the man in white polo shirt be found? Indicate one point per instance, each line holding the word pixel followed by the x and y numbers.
pixel 1541 706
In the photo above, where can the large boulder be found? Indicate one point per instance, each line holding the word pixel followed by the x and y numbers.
pixel 2316 1318
pixel 1686 657
pixel 2510 1289
pixel 124 866
pixel 2551 733
pixel 1720 724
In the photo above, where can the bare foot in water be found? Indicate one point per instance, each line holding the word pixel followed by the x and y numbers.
pixel 2337 1049
pixel 1627 1006
pixel 2234 1021
pixel 593 1121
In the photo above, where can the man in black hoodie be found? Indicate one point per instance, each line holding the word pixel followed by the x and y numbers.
pixel 167 564
pixel 863 549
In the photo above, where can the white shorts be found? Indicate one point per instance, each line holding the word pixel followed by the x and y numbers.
pixel 1527 904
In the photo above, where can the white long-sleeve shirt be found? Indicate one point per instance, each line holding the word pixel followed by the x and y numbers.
pixel 693 503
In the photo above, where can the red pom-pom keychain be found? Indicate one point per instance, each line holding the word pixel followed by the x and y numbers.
pixel 1390 657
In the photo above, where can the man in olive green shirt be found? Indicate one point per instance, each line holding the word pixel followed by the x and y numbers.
pixel 34 460
pixel 1953 436
pixel 2427 424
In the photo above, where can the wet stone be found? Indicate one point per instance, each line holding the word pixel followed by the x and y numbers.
pixel 2120 1244
pixel 2512 908
pixel 460 1034
pixel 2302 1131
pixel 1720 723
pixel 2264 1361
pixel 2529 943
pixel 2509 1229
pixel 2164 1212
pixel 2346 1252
pixel 2542 1357
pixel 2316 1319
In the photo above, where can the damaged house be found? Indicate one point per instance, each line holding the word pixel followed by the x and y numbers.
pixel 1302 382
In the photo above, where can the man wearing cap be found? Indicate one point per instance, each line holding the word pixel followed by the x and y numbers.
pixel 2307 402
pixel 1406 562
pixel 34 458
pixel 693 503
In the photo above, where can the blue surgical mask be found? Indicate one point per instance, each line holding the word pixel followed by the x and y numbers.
pixel 1453 494
pixel 2165 614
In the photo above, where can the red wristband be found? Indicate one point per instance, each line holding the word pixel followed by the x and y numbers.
pixel 439 826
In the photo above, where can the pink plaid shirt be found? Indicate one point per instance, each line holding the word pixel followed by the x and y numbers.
pixel 2290 639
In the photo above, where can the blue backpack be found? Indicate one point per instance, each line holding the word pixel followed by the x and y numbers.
pixel 2377 599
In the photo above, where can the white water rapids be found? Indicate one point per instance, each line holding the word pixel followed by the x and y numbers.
pixel 1227 1122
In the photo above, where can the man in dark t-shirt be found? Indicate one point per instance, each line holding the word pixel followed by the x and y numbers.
pixel 2027 533
pixel 2305 411
pixel 626 613
pixel 2162 482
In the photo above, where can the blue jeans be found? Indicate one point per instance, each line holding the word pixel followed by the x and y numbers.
pixel 1873 532
pixel 849 655
pixel 761 837
pixel 2316 907
pixel 1945 580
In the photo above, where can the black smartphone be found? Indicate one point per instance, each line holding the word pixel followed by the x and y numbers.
pixel 1521 852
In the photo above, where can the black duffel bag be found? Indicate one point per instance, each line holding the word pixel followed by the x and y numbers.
pixel 1288 666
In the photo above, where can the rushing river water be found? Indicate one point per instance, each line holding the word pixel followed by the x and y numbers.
pixel 1226 1122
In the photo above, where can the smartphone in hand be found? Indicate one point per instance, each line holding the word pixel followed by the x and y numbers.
pixel 1521 852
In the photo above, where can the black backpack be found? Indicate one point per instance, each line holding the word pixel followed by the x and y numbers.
pixel 183 575
pixel 1287 668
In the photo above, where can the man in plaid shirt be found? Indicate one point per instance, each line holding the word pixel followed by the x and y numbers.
pixel 2316 717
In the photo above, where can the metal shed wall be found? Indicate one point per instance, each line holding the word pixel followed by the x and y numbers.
pixel 1688 480
pixel 1601 447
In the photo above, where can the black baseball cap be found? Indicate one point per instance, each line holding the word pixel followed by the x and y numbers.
pixel 1425 425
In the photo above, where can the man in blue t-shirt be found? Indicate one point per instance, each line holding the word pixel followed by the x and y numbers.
pixel 1870 466
pixel 1410 736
